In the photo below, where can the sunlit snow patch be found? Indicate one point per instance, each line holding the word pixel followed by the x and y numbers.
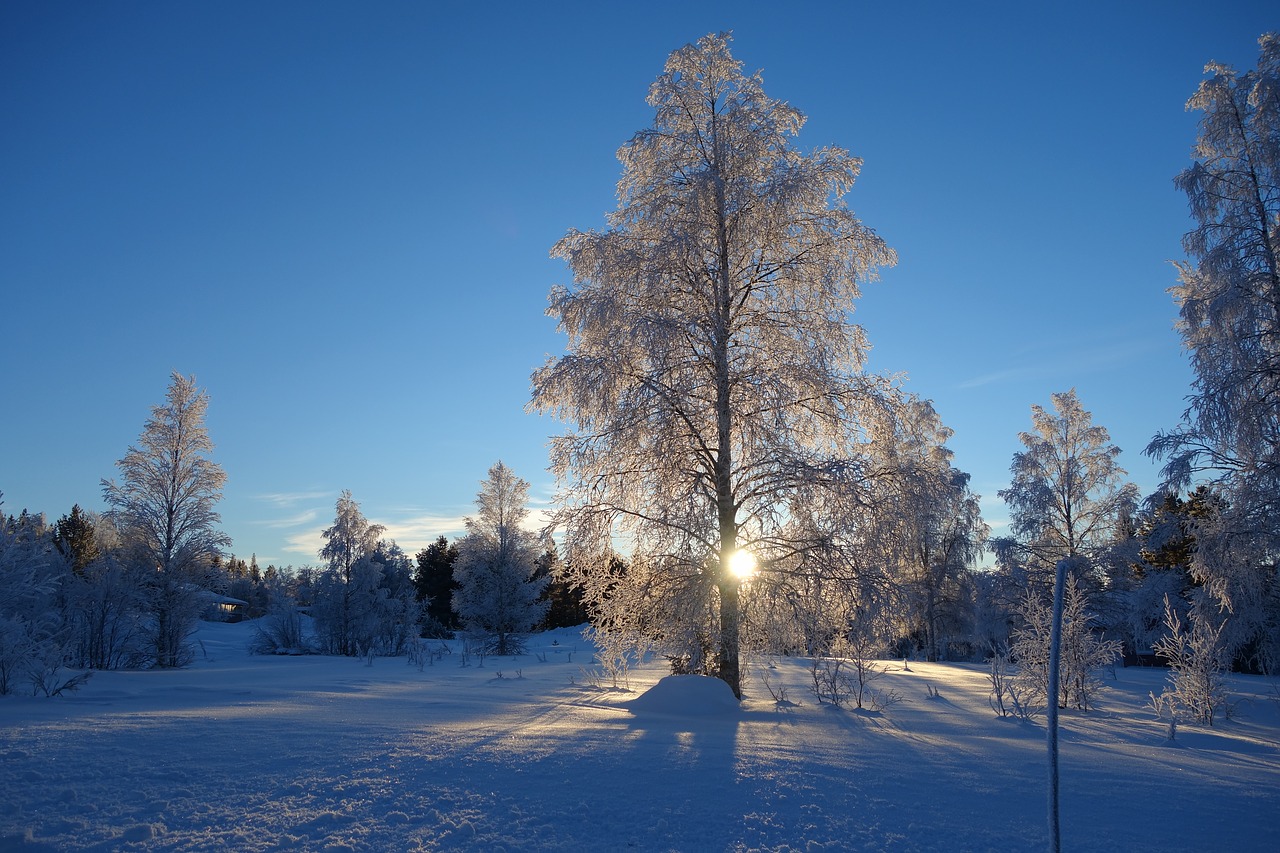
pixel 686 695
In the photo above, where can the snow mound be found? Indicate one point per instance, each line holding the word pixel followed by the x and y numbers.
pixel 686 695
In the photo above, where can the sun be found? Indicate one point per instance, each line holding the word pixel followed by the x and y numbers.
pixel 742 563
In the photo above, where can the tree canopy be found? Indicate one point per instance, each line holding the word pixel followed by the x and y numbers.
pixel 1068 496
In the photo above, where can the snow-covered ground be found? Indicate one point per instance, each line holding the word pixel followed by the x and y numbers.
pixel 317 753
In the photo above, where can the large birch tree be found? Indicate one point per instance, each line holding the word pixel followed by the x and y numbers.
pixel 1228 296
pixel 165 505
pixel 713 382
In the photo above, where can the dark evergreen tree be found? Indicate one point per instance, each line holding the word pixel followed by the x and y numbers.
pixel 434 582
pixel 567 606
pixel 73 535
pixel 1168 540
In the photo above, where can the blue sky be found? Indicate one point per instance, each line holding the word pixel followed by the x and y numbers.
pixel 338 217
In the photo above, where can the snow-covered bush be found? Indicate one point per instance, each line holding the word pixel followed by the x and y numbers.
pixel 477 643
pixel 279 632
pixel 1197 660
pixel 1083 651
pixel 1008 697
pixel 105 607
pixel 1163 705
pixel 829 681
pixel 616 652
pixel 399 612
pixel 1000 676
pixel 777 691
pixel 847 675
pixel 33 631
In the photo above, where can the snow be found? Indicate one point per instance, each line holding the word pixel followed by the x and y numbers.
pixel 687 695
pixel 525 753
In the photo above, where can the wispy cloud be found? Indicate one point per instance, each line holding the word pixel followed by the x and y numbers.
pixel 1073 358
pixel 412 527
pixel 994 511
pixel 293 510
pixel 290 499
pixel 288 510
pixel 537 519
pixel 304 517
pixel 420 531
pixel 307 543
pixel 998 376
pixel 411 533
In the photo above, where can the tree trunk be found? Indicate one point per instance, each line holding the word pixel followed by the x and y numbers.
pixel 726 507
pixel 1051 703
pixel 730 669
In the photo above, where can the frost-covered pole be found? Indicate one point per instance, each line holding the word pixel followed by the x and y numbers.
pixel 1055 648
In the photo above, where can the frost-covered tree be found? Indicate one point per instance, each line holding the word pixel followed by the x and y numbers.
pixel 1228 297
pixel 1069 508
pixel 1229 292
pixel 499 592
pixel 931 530
pixel 164 508
pixel 351 537
pixel 937 582
pixel 369 609
pixel 1067 497
pixel 1161 566
pixel 35 632
pixel 344 596
pixel 713 382
pixel 399 611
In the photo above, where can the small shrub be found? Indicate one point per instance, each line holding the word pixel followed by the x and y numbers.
pixel 1082 651
pixel 55 682
pixel 417 654
pixel 1197 664
pixel 616 652
pixel 777 691
pixel 829 683
pixel 279 633
pixel 846 677
pixel 1162 705
pixel 882 699
pixel 1009 697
